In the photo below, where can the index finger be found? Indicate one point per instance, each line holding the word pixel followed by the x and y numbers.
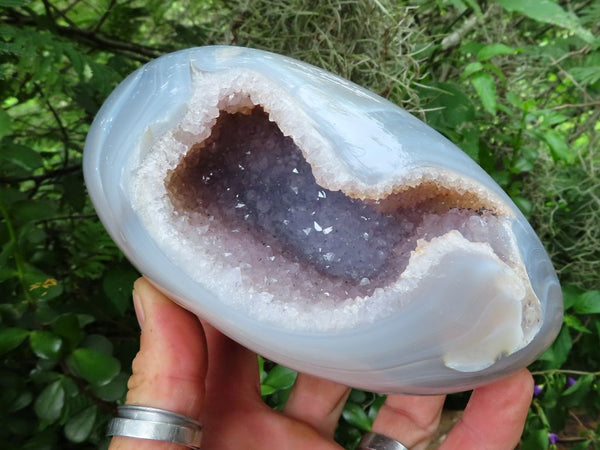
pixel 169 371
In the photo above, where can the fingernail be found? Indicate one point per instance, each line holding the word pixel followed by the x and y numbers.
pixel 139 308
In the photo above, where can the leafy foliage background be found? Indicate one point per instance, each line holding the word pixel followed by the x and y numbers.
pixel 514 83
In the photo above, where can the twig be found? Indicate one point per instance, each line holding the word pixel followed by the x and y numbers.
pixel 42 177
pixel 138 52
pixel 583 49
pixel 454 38
pixel 575 105
pixel 570 77
pixel 18 257
pixel 74 217
pixel 61 126
pixel 564 371
pixel 104 16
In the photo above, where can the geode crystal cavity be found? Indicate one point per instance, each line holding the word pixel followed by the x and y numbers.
pixel 319 224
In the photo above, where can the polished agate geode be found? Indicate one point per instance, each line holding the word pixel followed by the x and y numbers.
pixel 319 224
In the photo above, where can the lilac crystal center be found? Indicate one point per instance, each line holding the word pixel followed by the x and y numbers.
pixel 249 175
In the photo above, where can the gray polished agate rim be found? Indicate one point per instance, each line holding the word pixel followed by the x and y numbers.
pixel 367 357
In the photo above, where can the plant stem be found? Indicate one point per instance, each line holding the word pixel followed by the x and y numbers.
pixel 20 265
pixel 565 371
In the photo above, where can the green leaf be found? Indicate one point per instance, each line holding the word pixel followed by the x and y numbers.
pixel 583 445
pixel 484 84
pixel 22 400
pixel 78 427
pixel 548 11
pixel 35 209
pixel 278 378
pixel 524 205
pixel 8 196
pixel 451 108
pixel 18 159
pixel 43 440
pixel 376 406
pixel 261 368
pixel 535 440
pixel 49 404
pixel 95 367
pixel 5 123
pixel 475 6
pixel 117 285
pixel 266 389
pixel 41 286
pixel 6 254
pixel 45 344
pixel 355 415
pixel 588 303
pixel 575 323
pixel 114 390
pixel 357 396
pixel 570 295
pixel 586 75
pixel 558 146
pixel 11 338
pixel 523 164
pixel 71 388
pixel 472 68
pixel 557 354
pixel 68 326
pixel 575 394
pixel 12 3
pixel 99 343
pixel 489 51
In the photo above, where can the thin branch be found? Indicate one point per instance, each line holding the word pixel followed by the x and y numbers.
pixel 564 371
pixel 61 13
pixel 18 257
pixel 61 126
pixel 570 77
pixel 135 51
pixel 42 177
pixel 583 49
pixel 73 217
pixel 454 38
pixel 71 6
pixel 575 105
pixel 104 16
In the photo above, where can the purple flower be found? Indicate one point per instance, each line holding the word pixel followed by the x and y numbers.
pixel 552 438
pixel 571 381
pixel 537 390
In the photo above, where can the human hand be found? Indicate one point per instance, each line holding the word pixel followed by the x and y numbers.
pixel 188 367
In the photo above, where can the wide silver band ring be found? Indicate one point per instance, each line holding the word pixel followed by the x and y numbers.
pixel 375 441
pixel 143 422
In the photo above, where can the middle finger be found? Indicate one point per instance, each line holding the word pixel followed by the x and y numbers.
pixel 317 402
pixel 410 419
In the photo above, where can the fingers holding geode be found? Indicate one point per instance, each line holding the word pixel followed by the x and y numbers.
pixel 495 415
pixel 410 419
pixel 233 377
pixel 169 370
pixel 317 402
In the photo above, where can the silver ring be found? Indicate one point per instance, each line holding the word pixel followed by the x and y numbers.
pixel 143 422
pixel 376 441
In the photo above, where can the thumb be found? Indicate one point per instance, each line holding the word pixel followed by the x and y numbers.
pixel 169 371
